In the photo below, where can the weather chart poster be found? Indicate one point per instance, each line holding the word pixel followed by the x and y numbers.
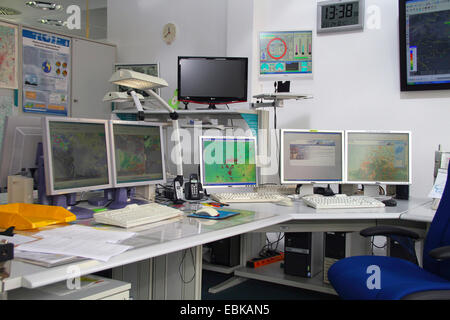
pixel 46 73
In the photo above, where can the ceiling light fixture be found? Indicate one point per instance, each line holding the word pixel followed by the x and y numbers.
pixel 44 5
pixel 53 22
pixel 4 11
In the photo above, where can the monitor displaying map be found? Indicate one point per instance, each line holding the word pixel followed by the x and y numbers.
pixel 228 161
pixel 138 156
pixel 285 53
pixel 77 155
pixel 424 44
pixel 378 157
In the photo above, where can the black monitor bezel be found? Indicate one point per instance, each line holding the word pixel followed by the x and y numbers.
pixel 211 100
pixel 404 86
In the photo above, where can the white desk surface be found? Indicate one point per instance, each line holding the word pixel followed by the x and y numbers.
pixel 156 241
pixel 422 213
pixel 190 232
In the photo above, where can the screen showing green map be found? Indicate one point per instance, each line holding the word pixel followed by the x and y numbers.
pixel 378 157
pixel 228 161
pixel 138 153
pixel 79 157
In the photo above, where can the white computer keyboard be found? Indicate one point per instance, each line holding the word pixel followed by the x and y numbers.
pixel 135 215
pixel 229 197
pixel 341 201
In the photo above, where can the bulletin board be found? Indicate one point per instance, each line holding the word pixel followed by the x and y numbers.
pixel 8 56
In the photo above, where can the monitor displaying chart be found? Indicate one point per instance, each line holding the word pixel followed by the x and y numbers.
pixel 285 52
pixel 378 157
pixel 228 161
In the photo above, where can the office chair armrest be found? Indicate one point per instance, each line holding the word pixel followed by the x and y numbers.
pixel 441 253
pixel 388 231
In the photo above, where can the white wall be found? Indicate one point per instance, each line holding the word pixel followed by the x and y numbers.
pixel 136 27
pixel 356 83
pixel 356 74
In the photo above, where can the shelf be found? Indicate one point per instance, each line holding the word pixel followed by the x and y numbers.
pixel 218 268
pixel 190 112
pixel 275 274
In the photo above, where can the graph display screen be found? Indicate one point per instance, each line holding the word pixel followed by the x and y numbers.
pixel 228 161
pixel 137 153
pixel 311 156
pixel 378 157
pixel 425 44
pixel 79 156
pixel 285 52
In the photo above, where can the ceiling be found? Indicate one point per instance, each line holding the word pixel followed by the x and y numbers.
pixel 31 16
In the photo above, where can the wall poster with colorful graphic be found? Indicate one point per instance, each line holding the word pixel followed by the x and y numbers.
pixel 8 56
pixel 46 73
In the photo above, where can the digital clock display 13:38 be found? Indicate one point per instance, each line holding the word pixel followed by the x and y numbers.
pixel 339 14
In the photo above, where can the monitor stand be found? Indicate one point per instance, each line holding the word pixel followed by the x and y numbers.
pixel 108 196
pixel 68 202
pixel 121 198
pixel 305 189
pixel 372 190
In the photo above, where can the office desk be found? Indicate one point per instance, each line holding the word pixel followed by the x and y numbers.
pixel 157 241
pixel 192 233
pixel 307 219
pixel 422 213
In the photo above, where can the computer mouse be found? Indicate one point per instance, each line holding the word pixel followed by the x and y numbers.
pixel 285 202
pixel 207 211
pixel 389 202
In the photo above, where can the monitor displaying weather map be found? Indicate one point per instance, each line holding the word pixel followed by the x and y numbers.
pixel 137 153
pixel 374 157
pixel 79 157
pixel 425 48
pixel 228 161
pixel 309 156
pixel 285 52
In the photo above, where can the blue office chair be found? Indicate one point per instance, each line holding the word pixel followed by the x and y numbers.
pixel 388 278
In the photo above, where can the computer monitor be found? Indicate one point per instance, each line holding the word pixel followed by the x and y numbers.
pixel 378 157
pixel 212 80
pixel 138 157
pixel 76 155
pixel 424 44
pixel 312 156
pixel 20 140
pixel 228 162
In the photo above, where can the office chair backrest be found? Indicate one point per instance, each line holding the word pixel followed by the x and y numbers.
pixel 439 236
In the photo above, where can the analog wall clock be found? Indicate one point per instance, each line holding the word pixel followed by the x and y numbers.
pixel 169 33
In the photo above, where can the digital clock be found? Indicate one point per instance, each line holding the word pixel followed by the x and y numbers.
pixel 340 15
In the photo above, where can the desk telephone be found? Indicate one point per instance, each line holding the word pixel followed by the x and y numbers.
pixel 193 189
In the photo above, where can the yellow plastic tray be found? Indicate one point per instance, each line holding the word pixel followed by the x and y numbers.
pixel 24 216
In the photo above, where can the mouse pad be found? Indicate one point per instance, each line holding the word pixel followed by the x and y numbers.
pixel 222 215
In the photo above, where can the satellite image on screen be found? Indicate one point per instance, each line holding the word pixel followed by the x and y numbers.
pixel 429 34
pixel 79 155
pixel 382 161
pixel 229 162
pixel 138 153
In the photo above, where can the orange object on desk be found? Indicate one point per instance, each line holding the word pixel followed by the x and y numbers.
pixel 25 216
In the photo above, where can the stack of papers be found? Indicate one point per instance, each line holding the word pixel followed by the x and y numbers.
pixel 80 241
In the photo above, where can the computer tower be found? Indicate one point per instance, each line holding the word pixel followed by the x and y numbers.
pixel 303 253
pixel 226 252
pixel 339 245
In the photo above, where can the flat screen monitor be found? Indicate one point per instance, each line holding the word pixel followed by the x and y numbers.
pixel 424 44
pixel 228 161
pixel 138 157
pixel 311 156
pixel 76 155
pixel 285 53
pixel 378 157
pixel 21 137
pixel 212 80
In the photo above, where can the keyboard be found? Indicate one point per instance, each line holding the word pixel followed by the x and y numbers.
pixel 135 215
pixel 229 197
pixel 341 202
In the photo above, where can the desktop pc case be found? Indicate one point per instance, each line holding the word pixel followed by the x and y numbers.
pixel 226 252
pixel 303 253
pixel 339 245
